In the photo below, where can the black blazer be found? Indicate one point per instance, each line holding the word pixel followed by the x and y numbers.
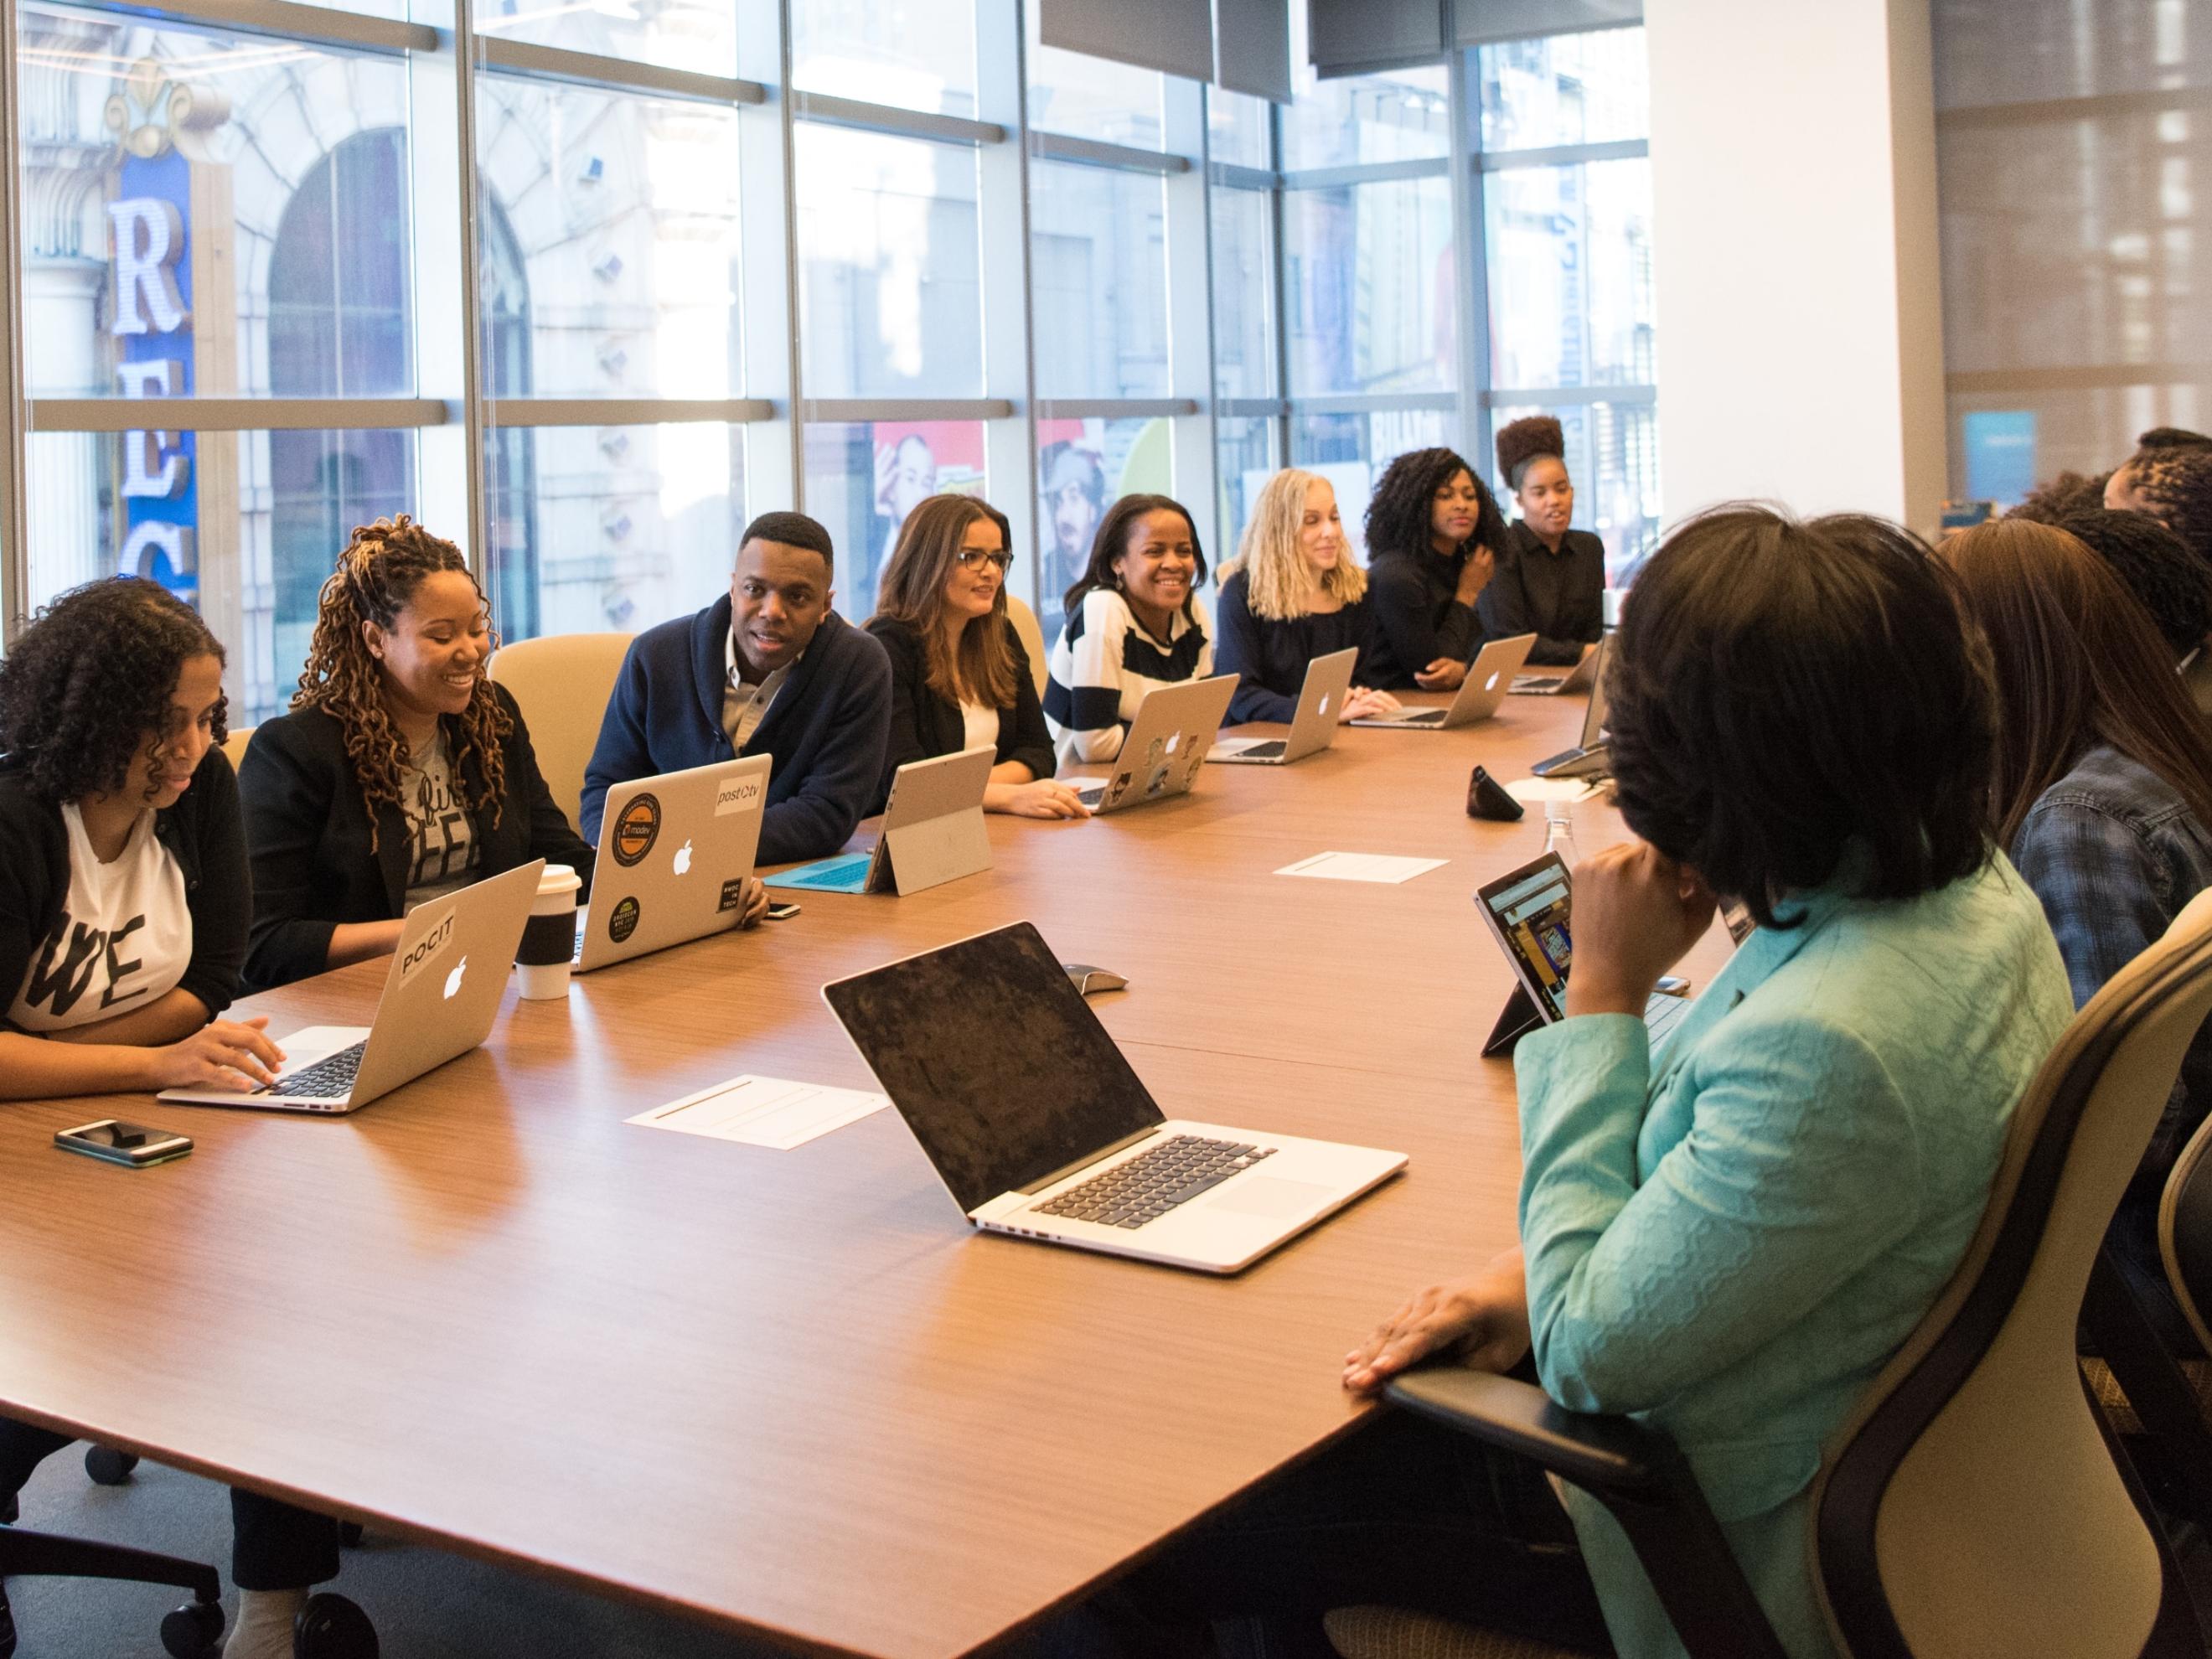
pixel 924 724
pixel 307 828
pixel 201 830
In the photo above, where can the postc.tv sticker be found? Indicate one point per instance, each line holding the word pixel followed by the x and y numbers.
pixel 622 920
pixel 636 830
pixel 734 894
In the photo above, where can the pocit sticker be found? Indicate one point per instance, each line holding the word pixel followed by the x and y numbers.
pixel 425 950
pixel 622 920
pixel 636 830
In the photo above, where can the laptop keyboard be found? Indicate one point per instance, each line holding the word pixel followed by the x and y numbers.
pixel 330 1078
pixel 1662 1014
pixel 1271 750
pixel 1150 1184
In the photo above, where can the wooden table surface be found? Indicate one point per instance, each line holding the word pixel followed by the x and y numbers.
pixel 794 1391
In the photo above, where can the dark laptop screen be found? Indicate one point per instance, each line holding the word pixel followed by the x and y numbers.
pixel 1594 716
pixel 991 1057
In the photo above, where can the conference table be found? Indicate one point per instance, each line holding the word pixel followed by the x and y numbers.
pixel 793 1392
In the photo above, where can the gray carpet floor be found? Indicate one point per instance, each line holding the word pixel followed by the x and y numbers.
pixel 426 1603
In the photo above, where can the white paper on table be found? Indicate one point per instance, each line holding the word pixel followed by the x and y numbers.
pixel 763 1111
pixel 1531 789
pixel 1362 867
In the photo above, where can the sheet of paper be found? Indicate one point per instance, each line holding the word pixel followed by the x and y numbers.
pixel 1535 789
pixel 763 1111
pixel 1362 867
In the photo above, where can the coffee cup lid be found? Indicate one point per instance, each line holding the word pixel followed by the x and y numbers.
pixel 558 879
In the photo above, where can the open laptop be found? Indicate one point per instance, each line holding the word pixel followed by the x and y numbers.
pixel 1037 1123
pixel 933 833
pixel 1479 693
pixel 440 995
pixel 1589 757
pixel 1313 723
pixel 674 854
pixel 1166 744
pixel 1551 681
pixel 1526 911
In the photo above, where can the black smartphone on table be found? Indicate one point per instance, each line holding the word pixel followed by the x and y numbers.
pixel 133 1144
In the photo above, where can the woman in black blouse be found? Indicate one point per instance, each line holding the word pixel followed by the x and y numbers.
pixel 1550 579
pixel 1434 533
pixel 960 678
pixel 1291 593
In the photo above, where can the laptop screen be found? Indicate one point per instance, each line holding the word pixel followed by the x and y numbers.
pixel 1529 908
pixel 1594 716
pixel 993 1060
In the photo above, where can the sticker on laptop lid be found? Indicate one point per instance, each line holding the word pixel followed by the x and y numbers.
pixel 636 830
pixel 622 920
pixel 734 894
pixel 735 795
pixel 425 950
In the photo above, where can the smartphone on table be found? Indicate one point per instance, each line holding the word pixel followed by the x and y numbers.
pixel 133 1145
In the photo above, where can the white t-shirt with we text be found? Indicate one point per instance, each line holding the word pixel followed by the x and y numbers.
pixel 123 941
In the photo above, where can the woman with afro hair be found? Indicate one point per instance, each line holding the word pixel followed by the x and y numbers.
pixel 1434 534
pixel 402 772
pixel 1549 577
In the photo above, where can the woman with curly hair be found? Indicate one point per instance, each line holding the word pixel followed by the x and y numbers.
pixel 1292 594
pixel 1434 534
pixel 1550 577
pixel 402 772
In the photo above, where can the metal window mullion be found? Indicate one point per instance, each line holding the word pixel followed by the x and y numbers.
pixel 1564 155
pixel 1279 274
pixel 905 409
pixel 524 412
pixel 1219 496
pixel 1367 173
pixel 1094 153
pixel 1115 408
pixel 236 413
pixel 281 20
pixel 528 59
pixel 1006 294
pixel 15 547
pixel 464 41
pixel 794 359
pixel 884 118
pixel 1469 204
pixel 1570 397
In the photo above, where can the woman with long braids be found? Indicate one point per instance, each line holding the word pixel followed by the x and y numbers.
pixel 1434 534
pixel 402 772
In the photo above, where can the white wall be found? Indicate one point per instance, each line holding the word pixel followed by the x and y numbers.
pixel 1795 261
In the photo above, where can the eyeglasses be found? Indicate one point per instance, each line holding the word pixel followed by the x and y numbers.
pixel 969 557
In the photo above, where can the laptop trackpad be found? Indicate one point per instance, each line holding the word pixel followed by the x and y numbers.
pixel 1271 1197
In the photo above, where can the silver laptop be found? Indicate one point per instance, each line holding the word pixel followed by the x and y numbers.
pixel 1313 723
pixel 674 854
pixel 1526 911
pixel 1488 679
pixel 1166 744
pixel 933 833
pixel 1031 1116
pixel 1551 681
pixel 440 995
pixel 1589 757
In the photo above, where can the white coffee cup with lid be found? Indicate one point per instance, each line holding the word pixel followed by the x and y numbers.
pixel 545 958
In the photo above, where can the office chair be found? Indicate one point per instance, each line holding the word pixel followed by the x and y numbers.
pixel 1031 636
pixel 192 1631
pixel 562 683
pixel 1975 1502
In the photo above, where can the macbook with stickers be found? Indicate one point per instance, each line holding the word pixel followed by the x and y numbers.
pixel 1479 693
pixel 1166 744
pixel 1054 1137
pixel 674 854
pixel 1313 723
pixel 440 995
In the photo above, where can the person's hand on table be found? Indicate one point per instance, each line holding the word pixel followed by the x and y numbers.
pixel 755 905
pixel 1045 797
pixel 1636 914
pixel 1363 703
pixel 1481 1322
pixel 1444 674
pixel 226 1053
pixel 1475 575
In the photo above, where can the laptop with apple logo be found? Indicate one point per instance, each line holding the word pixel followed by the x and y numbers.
pixel 442 992
pixel 674 854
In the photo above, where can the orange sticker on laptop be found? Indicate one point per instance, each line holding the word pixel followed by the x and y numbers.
pixel 637 828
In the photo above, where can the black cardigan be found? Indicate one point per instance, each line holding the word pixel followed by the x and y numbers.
pixel 1412 601
pixel 203 832
pixel 925 723
pixel 306 823
pixel 1557 597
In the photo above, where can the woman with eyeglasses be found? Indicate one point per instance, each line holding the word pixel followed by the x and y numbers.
pixel 960 678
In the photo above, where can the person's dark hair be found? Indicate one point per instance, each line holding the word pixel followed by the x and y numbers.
pixel 1783 692
pixel 2165 577
pixel 2174 486
pixel 2077 662
pixel 2173 437
pixel 793 529
pixel 1528 438
pixel 91 676
pixel 1402 508
pixel 2061 497
pixel 1111 540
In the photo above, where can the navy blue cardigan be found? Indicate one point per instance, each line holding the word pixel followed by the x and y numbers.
pixel 826 729
pixel 1269 658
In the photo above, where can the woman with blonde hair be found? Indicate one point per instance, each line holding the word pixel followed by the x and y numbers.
pixel 1292 594
pixel 402 772
pixel 960 678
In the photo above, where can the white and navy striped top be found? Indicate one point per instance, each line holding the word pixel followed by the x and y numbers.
pixel 1104 664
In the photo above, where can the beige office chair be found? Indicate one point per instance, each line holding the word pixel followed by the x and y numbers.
pixel 1025 624
pixel 234 744
pixel 562 683
pixel 1973 1506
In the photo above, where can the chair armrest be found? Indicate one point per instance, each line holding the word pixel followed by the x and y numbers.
pixel 1606 1457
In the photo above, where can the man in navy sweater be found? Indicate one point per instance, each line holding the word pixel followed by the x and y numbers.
pixel 769 669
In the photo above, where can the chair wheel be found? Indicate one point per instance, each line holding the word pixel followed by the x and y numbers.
pixel 350 1533
pixel 193 1631
pixel 108 1467
pixel 331 1627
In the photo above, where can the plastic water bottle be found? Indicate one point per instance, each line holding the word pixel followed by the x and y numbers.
pixel 1560 832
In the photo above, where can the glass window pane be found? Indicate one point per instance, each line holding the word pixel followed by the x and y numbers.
pixel 1238 128
pixel 889 292
pixel 595 529
pixel 1613 457
pixel 248 237
pixel 592 287
pixel 1351 452
pixel 1087 97
pixel 249 536
pixel 911 54
pixel 1082 466
pixel 1370 284
pixel 864 478
pixel 1244 459
pixel 688 35
pixel 1570 252
pixel 1402 115
pixel 1591 88
pixel 1098 267
pixel 1243 293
